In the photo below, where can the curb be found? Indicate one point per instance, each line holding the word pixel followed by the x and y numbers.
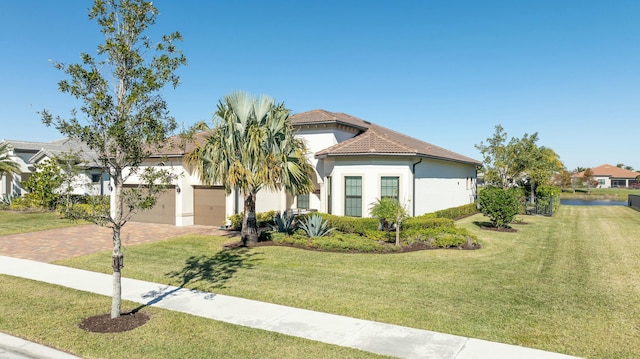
pixel 24 348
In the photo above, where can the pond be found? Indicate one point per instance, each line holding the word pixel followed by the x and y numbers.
pixel 592 202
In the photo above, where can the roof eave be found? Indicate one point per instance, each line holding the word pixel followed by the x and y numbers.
pixel 419 155
pixel 329 122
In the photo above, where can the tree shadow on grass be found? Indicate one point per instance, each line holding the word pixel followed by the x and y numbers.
pixel 214 271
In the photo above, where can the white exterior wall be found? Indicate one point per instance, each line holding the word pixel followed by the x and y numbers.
pixel 441 185
pixel 371 170
pixel 607 181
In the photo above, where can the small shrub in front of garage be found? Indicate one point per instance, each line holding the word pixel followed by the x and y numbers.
pixel 264 219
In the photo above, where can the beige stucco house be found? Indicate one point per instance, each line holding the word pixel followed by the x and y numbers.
pixel 609 176
pixel 355 161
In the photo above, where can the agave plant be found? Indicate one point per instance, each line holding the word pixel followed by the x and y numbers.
pixel 7 199
pixel 284 223
pixel 314 226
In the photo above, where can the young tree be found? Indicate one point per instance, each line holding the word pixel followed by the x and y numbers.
pixel 390 212
pixel 252 146
pixel 8 165
pixel 589 181
pixel 507 164
pixel 45 183
pixel 125 116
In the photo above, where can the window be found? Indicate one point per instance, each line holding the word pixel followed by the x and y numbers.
pixel 389 187
pixel 601 181
pixel 303 201
pixel 353 196
pixel 95 178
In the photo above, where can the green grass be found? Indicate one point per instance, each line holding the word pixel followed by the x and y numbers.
pixel 50 315
pixel 616 194
pixel 22 222
pixel 566 284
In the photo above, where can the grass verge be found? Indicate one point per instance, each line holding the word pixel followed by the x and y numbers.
pixel 564 284
pixel 50 314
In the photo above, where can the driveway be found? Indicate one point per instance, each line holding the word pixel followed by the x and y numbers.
pixel 50 245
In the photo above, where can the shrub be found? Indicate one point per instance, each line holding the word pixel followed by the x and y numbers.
pixel 426 221
pixel 26 202
pixel 443 237
pixel 346 224
pixel 341 242
pixel 91 208
pixel 264 219
pixel 500 205
pixel 457 212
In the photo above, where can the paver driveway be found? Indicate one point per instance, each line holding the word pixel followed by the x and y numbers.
pixel 54 244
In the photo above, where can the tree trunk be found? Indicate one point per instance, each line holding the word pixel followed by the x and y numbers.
pixel 397 231
pixel 117 263
pixel 249 231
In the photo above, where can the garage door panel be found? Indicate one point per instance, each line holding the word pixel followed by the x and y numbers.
pixel 163 212
pixel 209 206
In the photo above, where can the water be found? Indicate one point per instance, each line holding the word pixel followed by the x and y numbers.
pixel 592 202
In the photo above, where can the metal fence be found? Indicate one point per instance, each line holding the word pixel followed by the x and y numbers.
pixel 543 206
pixel 634 201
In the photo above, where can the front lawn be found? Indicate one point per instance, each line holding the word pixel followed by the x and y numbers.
pixel 565 284
pixel 22 222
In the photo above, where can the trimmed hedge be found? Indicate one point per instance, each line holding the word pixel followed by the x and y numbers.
pixel 457 212
pixel 357 225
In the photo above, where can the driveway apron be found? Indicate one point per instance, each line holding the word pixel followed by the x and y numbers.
pixel 54 244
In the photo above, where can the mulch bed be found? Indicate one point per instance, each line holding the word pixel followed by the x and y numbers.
pixel 393 249
pixel 104 324
pixel 496 229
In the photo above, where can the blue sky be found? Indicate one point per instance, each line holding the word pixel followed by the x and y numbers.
pixel 445 72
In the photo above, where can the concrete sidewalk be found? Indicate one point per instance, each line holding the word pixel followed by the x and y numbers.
pixel 366 335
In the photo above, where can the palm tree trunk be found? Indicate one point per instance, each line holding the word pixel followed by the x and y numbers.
pixel 249 231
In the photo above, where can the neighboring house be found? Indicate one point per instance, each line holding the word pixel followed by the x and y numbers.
pixel 355 161
pixel 91 180
pixel 609 176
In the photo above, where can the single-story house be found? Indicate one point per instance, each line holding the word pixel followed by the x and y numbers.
pixel 609 176
pixel 355 161
pixel 92 180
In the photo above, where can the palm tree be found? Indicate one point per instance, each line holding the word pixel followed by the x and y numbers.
pixel 7 164
pixel 251 147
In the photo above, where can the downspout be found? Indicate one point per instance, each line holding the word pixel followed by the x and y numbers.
pixel 413 171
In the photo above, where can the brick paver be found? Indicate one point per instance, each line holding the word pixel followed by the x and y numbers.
pixel 54 244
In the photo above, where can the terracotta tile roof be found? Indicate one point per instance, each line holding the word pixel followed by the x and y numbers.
pixel 374 139
pixel 177 146
pixel 610 171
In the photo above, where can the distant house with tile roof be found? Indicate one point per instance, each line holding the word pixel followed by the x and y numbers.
pixel 355 162
pixel 29 153
pixel 609 176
